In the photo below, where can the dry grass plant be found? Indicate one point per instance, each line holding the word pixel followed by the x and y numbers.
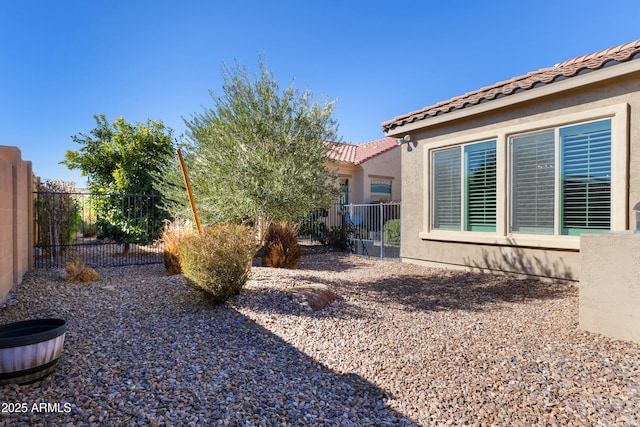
pixel 78 271
pixel 281 247
pixel 172 234
pixel 218 261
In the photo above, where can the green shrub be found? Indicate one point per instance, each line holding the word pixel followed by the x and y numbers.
pixel 391 231
pixel 281 248
pixel 218 261
pixel 89 229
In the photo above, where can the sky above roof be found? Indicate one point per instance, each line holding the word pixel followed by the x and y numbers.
pixel 63 62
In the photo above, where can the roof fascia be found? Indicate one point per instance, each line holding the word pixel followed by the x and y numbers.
pixel 594 76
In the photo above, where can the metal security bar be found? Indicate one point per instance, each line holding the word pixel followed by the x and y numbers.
pixel 97 229
pixel 374 229
pixel 371 230
pixel 325 226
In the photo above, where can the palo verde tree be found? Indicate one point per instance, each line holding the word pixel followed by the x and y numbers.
pixel 258 155
pixel 122 158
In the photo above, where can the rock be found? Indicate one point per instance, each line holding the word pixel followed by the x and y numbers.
pixel 316 295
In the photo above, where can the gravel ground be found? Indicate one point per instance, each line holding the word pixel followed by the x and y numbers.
pixel 401 345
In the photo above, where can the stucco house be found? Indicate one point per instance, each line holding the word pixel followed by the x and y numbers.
pixel 507 177
pixel 369 172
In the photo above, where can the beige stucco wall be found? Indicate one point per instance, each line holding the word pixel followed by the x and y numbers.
pixel 16 213
pixel 559 256
pixel 609 301
pixel 386 165
pixel 350 172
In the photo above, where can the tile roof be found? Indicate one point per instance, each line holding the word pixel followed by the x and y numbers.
pixel 358 154
pixel 567 69
pixel 342 152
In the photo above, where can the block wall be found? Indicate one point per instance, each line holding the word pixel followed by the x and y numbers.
pixel 16 218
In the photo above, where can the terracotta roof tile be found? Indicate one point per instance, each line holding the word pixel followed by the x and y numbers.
pixel 357 154
pixel 532 80
pixel 342 152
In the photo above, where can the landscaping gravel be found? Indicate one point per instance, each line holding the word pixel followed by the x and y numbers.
pixel 400 345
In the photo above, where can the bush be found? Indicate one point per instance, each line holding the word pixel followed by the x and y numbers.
pixel 281 248
pixel 218 261
pixel 392 231
pixel 78 271
pixel 89 229
pixel 172 233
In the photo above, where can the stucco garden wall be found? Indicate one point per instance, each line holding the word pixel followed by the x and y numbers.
pixel 559 257
pixel 16 213
pixel 610 285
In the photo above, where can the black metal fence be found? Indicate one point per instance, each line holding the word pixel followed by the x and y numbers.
pixel 371 230
pixel 97 229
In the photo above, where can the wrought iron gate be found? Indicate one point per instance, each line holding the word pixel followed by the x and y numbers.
pixel 371 230
pixel 374 229
pixel 98 229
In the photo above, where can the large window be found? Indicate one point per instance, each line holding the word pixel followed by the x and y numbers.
pixel 464 187
pixel 380 190
pixel 569 195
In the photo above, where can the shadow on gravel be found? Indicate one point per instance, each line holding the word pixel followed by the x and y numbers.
pixel 154 353
pixel 340 261
pixel 448 290
pixel 280 302
pixel 455 290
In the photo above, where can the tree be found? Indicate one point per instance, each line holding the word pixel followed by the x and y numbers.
pixel 258 155
pixel 56 212
pixel 123 158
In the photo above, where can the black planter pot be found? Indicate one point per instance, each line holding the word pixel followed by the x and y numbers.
pixel 29 350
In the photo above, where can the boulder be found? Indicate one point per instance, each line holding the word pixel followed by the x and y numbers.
pixel 314 296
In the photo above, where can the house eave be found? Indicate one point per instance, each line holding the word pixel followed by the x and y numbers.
pixel 557 87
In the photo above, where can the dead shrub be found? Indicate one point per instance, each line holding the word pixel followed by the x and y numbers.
pixel 172 233
pixel 78 271
pixel 281 247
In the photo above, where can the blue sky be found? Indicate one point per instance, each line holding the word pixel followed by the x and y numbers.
pixel 61 62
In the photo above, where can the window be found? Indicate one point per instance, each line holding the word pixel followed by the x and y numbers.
pixel 344 192
pixel 446 189
pixel 472 175
pixel 586 177
pixel 533 183
pixel 582 176
pixel 380 190
pixel 480 188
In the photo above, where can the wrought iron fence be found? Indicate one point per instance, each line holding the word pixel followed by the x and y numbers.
pixel 325 226
pixel 364 229
pixel 374 229
pixel 98 229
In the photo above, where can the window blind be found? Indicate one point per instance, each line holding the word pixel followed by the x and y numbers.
pixel 480 194
pixel 533 183
pixel 586 177
pixel 381 186
pixel 446 189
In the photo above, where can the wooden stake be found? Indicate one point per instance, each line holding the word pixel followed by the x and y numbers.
pixel 189 192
